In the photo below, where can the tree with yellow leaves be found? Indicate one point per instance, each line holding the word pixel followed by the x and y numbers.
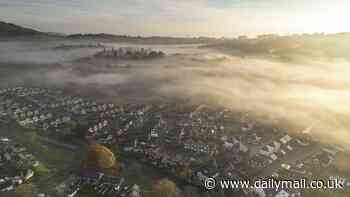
pixel 165 188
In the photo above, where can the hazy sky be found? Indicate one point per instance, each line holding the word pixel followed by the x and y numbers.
pixel 179 17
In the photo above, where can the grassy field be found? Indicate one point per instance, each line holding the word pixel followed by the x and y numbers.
pixel 55 163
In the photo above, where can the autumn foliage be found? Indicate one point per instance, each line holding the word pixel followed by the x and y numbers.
pixel 99 158
pixel 166 188
pixel 342 162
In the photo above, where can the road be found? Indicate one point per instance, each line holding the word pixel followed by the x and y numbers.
pixel 58 144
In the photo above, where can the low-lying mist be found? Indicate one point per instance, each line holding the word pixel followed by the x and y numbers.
pixel 304 93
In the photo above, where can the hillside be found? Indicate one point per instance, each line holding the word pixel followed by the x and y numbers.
pixel 291 47
pixel 12 30
pixel 143 40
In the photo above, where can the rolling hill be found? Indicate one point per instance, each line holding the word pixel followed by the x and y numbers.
pixel 12 30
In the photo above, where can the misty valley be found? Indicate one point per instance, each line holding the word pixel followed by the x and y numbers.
pixel 104 115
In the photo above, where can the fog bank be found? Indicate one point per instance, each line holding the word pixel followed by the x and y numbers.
pixel 303 93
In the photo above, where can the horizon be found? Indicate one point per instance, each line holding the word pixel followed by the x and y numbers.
pixel 170 36
pixel 194 18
